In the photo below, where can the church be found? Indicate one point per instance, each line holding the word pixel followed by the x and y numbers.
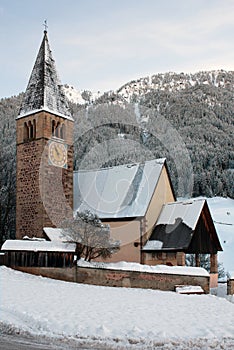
pixel 136 200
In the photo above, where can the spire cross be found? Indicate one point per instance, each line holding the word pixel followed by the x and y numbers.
pixel 45 25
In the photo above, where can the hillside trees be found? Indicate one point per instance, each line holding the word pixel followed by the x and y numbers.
pixel 110 132
pixel 9 108
pixel 7 194
pixel 203 116
pixel 108 135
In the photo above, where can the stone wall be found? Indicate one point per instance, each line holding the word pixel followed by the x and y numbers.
pixel 135 279
pixel 120 278
pixel 63 274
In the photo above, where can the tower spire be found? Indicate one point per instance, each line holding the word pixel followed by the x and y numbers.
pixel 44 90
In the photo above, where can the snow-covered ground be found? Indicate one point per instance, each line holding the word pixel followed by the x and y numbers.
pixel 74 95
pixel 222 211
pixel 119 318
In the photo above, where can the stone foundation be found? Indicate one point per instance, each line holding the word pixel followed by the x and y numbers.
pixel 62 274
pixel 213 280
pixel 230 286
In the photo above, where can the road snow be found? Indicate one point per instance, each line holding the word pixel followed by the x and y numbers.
pixel 118 318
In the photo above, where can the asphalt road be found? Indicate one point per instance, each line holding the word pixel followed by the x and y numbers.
pixel 9 342
pixel 17 342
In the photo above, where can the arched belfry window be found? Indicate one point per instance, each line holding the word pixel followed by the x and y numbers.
pixel 34 128
pixel 29 130
pixel 30 127
pixel 58 129
pixel 53 127
pixel 26 132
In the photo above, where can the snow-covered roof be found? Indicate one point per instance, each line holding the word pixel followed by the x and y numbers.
pixel 38 246
pixel 118 192
pixel 189 211
pixel 180 226
pixel 153 245
pixel 44 91
pixel 175 225
pixel 54 234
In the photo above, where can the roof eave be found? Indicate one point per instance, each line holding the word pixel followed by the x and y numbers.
pixel 163 164
pixel 147 250
pixel 44 109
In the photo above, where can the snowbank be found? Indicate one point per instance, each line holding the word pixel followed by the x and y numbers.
pixel 127 266
pixel 120 316
pixel 189 290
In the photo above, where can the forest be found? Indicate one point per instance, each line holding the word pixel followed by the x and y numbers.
pixel 188 119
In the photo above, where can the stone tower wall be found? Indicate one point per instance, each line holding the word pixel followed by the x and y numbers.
pixel 44 192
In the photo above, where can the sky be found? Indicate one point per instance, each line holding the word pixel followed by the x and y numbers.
pixel 99 45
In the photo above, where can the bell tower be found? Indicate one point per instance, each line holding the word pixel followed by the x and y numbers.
pixel 44 194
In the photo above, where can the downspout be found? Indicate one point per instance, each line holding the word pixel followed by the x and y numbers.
pixel 142 232
pixel 141 243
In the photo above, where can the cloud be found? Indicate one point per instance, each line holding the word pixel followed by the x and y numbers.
pixel 202 40
pixel 150 38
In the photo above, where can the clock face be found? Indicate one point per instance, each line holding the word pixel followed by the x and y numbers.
pixel 58 154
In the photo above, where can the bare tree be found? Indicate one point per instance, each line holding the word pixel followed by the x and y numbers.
pixel 91 236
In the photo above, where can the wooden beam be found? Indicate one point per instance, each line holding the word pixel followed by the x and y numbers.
pixel 197 260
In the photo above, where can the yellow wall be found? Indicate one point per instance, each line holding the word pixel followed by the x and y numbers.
pixel 163 194
pixel 128 233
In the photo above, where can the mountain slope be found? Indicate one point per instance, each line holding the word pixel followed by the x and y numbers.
pixel 174 82
pixel 199 107
pixel 116 128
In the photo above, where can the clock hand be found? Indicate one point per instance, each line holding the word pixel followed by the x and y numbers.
pixel 56 150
